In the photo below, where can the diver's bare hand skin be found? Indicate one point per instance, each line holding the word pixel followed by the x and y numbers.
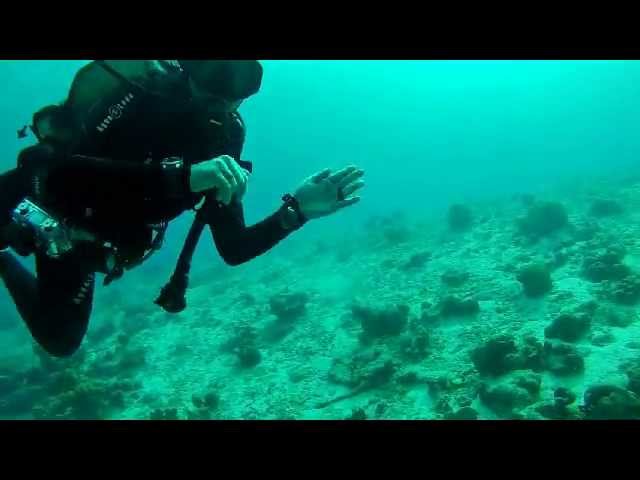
pixel 325 192
pixel 223 174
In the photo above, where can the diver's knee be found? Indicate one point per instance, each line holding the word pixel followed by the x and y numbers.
pixel 60 331
pixel 61 346
pixel 61 349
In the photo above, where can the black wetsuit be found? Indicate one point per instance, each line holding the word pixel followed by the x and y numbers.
pixel 119 200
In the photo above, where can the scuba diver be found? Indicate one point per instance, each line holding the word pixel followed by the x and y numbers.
pixel 136 144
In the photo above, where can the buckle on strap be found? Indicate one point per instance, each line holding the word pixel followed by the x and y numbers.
pixel 122 264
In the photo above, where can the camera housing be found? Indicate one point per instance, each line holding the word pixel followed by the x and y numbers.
pixel 51 235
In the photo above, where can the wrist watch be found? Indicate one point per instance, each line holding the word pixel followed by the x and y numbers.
pixel 177 174
pixel 292 217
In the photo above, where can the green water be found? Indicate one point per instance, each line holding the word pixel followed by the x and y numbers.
pixel 429 134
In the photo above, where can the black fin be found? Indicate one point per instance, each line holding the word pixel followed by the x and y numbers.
pixel 23 132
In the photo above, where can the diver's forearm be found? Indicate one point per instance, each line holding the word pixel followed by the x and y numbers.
pixel 238 243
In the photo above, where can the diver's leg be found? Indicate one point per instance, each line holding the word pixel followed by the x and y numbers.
pixel 55 305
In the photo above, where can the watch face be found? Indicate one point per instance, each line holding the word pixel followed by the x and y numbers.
pixel 290 218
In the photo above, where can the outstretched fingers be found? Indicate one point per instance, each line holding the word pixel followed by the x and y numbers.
pixel 320 176
pixel 340 175
pixel 348 202
pixel 349 189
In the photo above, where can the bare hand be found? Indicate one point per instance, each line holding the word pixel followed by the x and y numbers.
pixel 222 174
pixel 325 193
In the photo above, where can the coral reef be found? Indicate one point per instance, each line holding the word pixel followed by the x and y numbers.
pixel 605 264
pixel 204 407
pixel 103 332
pixel 609 402
pixel 633 375
pixel 532 354
pixel 601 339
pixel 632 370
pixel 562 359
pixel 392 229
pixel 501 355
pixel 464 413
pixel 380 321
pixel 564 397
pixel 417 260
pixel 414 346
pixel 248 356
pixel 568 327
pixel 366 370
pixel 615 316
pixel 361 373
pixel 408 378
pixel 454 278
pixel 8 383
pixel 586 231
pixel 625 291
pixel 244 346
pixel 560 408
pixel 164 414
pixel 74 396
pixel 497 356
pixel 247 299
pixel 527 199
pixel 515 393
pixel 460 218
pixel 358 414
pixel 452 392
pixel 288 306
pixel 535 280
pixel 605 208
pixel 453 306
pixel 543 219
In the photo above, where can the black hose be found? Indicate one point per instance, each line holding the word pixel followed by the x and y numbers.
pixel 172 297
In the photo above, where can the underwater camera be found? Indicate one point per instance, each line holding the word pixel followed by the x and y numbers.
pixel 51 235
